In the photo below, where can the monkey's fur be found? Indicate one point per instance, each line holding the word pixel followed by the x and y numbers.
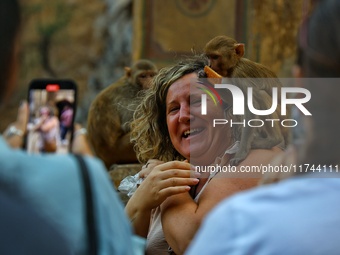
pixel 226 58
pixel 111 112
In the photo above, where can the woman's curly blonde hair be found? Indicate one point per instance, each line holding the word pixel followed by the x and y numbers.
pixel 149 129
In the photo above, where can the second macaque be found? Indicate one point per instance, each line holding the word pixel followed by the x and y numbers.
pixel 226 58
pixel 111 112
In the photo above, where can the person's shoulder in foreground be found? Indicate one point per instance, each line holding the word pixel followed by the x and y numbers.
pixel 24 232
pixel 52 185
pixel 301 215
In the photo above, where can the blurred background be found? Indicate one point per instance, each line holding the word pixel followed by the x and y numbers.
pixel 91 41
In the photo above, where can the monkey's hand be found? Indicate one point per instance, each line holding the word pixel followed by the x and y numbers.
pixel 286 158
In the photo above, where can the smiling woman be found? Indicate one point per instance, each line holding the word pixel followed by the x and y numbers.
pixel 170 129
pixel 191 133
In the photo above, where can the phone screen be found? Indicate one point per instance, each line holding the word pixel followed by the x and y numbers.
pixel 52 107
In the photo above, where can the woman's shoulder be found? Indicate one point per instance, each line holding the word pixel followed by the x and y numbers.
pixel 261 156
pixel 231 179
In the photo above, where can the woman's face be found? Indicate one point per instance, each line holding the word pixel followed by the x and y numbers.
pixel 193 134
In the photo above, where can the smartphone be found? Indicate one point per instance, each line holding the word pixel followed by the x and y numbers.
pixel 52 109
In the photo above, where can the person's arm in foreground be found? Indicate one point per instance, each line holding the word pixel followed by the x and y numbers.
pixel 16 140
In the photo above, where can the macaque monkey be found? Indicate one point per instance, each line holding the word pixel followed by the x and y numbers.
pixel 111 112
pixel 226 58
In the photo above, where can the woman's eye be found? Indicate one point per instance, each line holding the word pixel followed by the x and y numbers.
pixel 195 102
pixel 172 109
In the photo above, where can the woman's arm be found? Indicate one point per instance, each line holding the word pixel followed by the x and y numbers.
pixel 182 216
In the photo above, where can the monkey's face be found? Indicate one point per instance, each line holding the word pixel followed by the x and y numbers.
pixel 218 63
pixel 144 78
pixel 192 134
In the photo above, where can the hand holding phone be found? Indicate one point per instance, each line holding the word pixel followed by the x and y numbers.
pixel 15 131
pixel 52 107
pixel 80 144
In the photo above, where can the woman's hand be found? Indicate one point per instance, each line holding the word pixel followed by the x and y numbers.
pixel 162 181
pixel 149 166
pixel 14 134
pixel 165 180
